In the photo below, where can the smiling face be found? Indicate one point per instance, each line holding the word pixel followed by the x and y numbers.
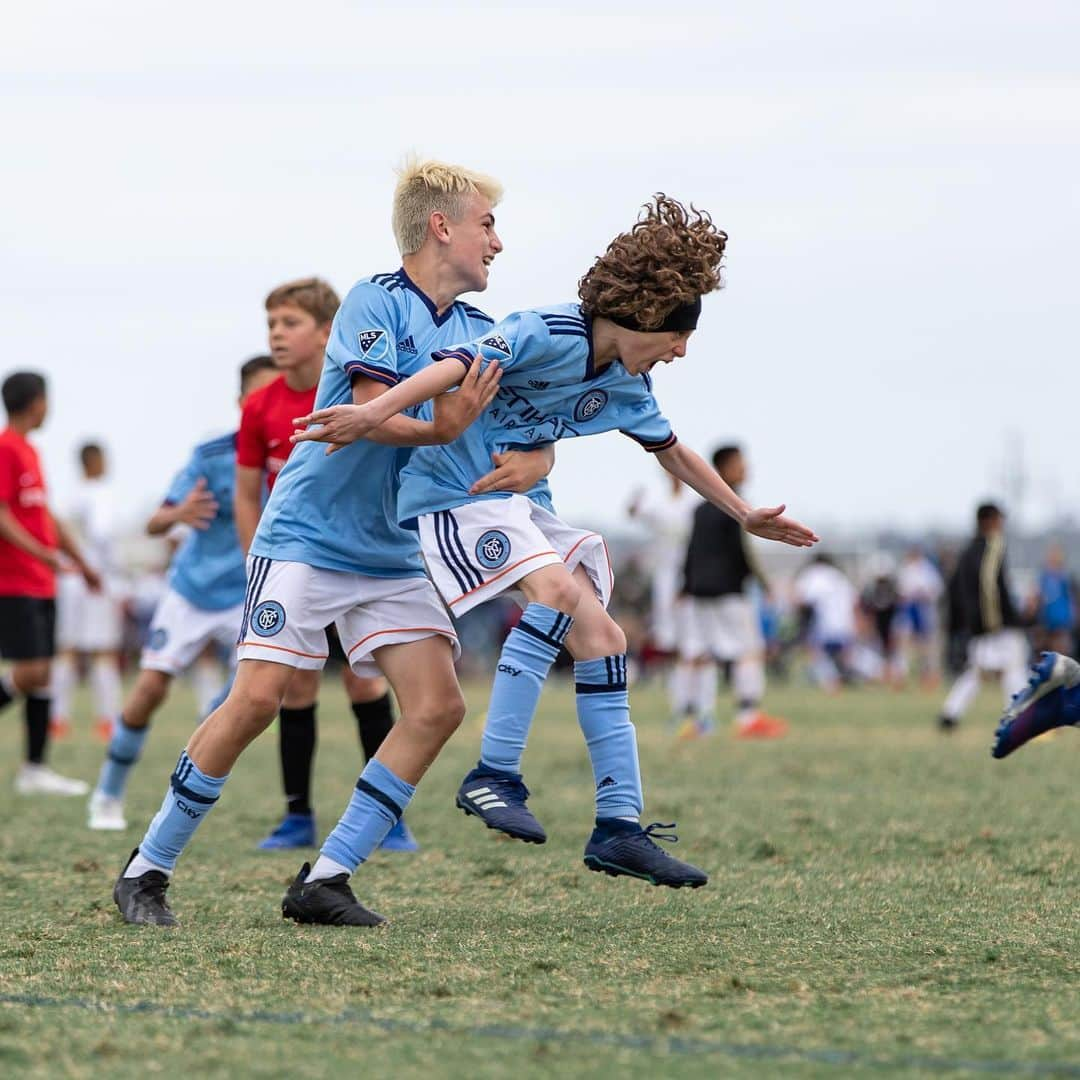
pixel 472 243
pixel 640 351
pixel 296 337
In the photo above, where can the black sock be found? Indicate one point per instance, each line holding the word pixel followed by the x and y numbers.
pixel 37 728
pixel 374 719
pixel 297 748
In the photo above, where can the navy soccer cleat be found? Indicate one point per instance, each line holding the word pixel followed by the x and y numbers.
pixel 498 800
pixel 399 838
pixel 619 847
pixel 326 902
pixel 141 899
pixel 295 830
pixel 1040 706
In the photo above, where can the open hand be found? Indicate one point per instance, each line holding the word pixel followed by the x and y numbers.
pixel 769 522
pixel 515 470
pixel 339 425
pixel 199 507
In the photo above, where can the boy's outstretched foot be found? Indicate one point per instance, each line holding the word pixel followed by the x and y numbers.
pixel 624 847
pixel 327 902
pixel 498 800
pixel 295 830
pixel 141 899
pixel 399 838
pixel 1040 706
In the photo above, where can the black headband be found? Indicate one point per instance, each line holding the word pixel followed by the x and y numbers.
pixel 682 319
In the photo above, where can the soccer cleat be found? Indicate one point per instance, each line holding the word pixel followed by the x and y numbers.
pixel 59 728
pixel 105 812
pixel 619 847
pixel 327 902
pixel 762 726
pixel 947 724
pixel 141 899
pixel 498 800
pixel 103 729
pixel 1038 708
pixel 41 780
pixel 295 830
pixel 399 838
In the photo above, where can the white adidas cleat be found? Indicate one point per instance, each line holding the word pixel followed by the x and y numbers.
pixel 105 813
pixel 41 780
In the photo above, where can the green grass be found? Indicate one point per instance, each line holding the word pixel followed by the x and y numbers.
pixel 883 899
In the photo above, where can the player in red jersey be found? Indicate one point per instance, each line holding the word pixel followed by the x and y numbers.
pixel 299 315
pixel 32 543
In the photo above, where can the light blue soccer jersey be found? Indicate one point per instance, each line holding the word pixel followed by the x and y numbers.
pixel 549 390
pixel 339 512
pixel 208 569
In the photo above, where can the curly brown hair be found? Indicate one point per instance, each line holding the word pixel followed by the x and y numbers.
pixel 669 258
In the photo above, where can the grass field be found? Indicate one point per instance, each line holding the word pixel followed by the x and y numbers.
pixel 883 899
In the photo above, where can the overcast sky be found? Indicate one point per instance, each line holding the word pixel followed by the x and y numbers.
pixel 899 182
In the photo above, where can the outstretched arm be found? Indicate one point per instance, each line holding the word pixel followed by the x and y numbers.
pixel 767 522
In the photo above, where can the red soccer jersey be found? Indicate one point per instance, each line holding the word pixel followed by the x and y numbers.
pixel 267 423
pixel 22 488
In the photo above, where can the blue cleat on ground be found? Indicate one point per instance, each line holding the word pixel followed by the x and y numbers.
pixel 619 847
pixel 399 838
pixel 498 800
pixel 295 830
pixel 1041 705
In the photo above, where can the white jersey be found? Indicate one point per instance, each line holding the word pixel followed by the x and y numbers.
pixel 93 513
pixel 669 517
pixel 832 597
pixel 918 581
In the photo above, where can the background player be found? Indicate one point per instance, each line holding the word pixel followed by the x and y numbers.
pixel 202 606
pixel 919 585
pixel 90 624
pixel 299 316
pixel 719 620
pixel 31 543
pixel 328 549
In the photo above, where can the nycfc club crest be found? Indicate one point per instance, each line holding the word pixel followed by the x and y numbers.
pixel 374 344
pixel 268 618
pixel 590 405
pixel 492 549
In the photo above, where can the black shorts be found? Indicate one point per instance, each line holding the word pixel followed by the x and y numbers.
pixel 27 627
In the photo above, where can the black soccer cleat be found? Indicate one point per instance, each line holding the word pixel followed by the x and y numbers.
pixel 619 847
pixel 327 902
pixel 141 899
pixel 498 800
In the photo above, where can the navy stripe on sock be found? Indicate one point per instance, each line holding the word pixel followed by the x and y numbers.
pixel 186 792
pixel 561 626
pixel 122 760
pixel 379 797
pixel 600 688
pixel 461 550
pixel 528 628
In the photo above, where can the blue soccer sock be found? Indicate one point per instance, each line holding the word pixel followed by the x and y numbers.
pixel 125 747
pixel 377 803
pixel 603 708
pixel 190 797
pixel 526 658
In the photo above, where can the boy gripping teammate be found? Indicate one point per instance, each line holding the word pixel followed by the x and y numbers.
pixel 328 549
pixel 299 315
pixel 203 603
pixel 31 543
pixel 569 370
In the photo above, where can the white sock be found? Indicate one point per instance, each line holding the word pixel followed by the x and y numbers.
pixel 705 690
pixel 139 866
pixel 207 682
pixel 105 680
pixel 63 682
pixel 326 868
pixel 962 694
pixel 681 688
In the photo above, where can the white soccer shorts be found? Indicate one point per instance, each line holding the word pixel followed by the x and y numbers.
pixel 290 604
pixel 179 631
pixel 724 627
pixel 87 621
pixel 477 551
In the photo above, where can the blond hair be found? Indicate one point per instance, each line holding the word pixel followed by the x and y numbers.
pixel 310 294
pixel 427 187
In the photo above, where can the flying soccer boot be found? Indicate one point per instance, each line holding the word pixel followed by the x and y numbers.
pixel 1045 703
pixel 619 847
pixel 498 799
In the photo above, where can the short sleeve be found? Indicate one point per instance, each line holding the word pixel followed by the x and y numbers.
pixel 183 482
pixel 643 422
pixel 521 341
pixel 363 339
pixel 9 475
pixel 250 444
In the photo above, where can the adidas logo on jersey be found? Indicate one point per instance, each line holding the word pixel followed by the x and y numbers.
pixel 408 345
pixel 539 384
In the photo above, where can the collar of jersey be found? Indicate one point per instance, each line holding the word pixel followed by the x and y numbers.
pixel 433 311
pixel 590 360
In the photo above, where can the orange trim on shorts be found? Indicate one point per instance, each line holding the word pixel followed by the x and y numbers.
pixel 503 573
pixel 282 648
pixel 441 630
